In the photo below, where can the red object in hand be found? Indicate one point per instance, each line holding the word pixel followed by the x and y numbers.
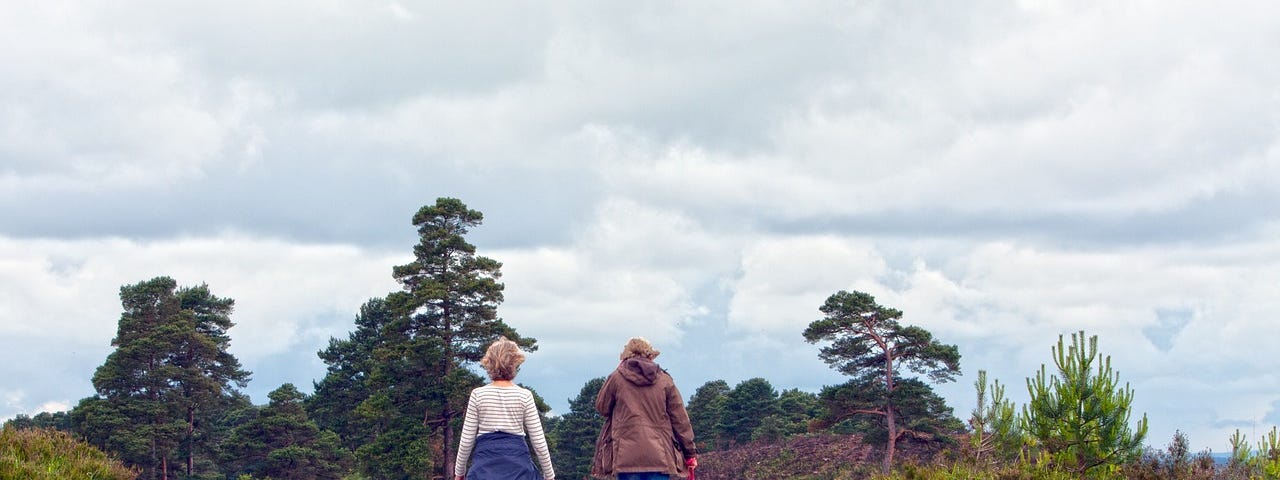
pixel 692 463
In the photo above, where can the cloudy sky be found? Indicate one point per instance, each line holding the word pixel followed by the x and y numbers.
pixel 701 174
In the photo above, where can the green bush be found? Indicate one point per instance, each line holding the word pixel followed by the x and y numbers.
pixel 37 454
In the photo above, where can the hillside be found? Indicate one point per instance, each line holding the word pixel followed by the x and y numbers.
pixel 37 454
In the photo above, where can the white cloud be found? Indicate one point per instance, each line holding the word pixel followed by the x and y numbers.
pixel 785 280
pixel 288 296
pixel 701 174
pixel 112 110
pixel 633 271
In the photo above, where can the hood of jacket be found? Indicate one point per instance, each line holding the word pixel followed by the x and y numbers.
pixel 639 371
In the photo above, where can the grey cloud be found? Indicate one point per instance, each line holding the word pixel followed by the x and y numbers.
pixel 1228 216
pixel 1233 423
pixel 1273 416
pixel 291 201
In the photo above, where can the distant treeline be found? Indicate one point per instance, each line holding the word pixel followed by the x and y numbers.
pixel 168 401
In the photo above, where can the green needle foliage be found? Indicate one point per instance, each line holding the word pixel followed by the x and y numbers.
pixel 1262 463
pixel 170 373
pixel 281 442
pixel 706 406
pixel 744 408
pixel 867 342
pixel 996 436
pixel 574 434
pixel 446 316
pixel 1080 416
pixel 396 389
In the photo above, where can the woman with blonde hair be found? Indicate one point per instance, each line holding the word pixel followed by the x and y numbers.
pixel 647 434
pixel 500 416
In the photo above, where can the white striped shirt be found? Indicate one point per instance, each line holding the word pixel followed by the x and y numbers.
pixel 507 409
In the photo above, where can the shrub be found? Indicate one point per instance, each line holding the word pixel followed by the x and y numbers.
pixel 37 454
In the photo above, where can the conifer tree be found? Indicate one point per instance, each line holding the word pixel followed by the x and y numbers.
pixel 994 422
pixel 749 403
pixel 281 442
pixel 574 434
pixel 345 385
pixel 1080 415
pixel 170 367
pixel 868 343
pixel 706 406
pixel 444 318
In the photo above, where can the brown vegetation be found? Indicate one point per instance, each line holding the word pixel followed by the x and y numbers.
pixel 803 457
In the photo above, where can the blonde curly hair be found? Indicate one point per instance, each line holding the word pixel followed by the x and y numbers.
pixel 502 360
pixel 639 347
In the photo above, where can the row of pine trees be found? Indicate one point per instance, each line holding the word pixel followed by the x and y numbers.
pixel 168 400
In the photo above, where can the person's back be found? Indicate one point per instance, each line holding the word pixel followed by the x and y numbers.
pixel 500 416
pixel 647 433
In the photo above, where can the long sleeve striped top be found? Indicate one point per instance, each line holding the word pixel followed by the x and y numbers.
pixel 507 409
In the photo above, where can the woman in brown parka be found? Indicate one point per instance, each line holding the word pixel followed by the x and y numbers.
pixel 646 434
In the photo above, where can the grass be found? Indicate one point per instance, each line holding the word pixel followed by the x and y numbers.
pixel 35 454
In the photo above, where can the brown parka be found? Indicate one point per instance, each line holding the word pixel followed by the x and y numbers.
pixel 646 426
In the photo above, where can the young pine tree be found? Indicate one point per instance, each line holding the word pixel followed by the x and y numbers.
pixel 1080 415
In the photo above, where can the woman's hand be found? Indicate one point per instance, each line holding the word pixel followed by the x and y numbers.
pixel 691 462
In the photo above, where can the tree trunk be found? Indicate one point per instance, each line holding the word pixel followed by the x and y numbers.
pixel 889 416
pixel 893 438
pixel 191 440
pixel 447 412
pixel 447 415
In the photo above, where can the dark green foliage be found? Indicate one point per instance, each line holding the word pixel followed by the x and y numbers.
pixel 794 411
pixel 866 336
pixel 867 342
pixel 706 407
pixel 404 452
pixel 281 443
pixel 573 435
pixel 170 370
pixel 444 319
pixel 744 408
pixel 346 381
pixel 1080 415
pixel 920 412
pixel 402 410
pixel 397 387
pixel 60 421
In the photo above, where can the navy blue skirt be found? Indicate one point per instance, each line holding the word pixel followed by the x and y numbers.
pixel 501 456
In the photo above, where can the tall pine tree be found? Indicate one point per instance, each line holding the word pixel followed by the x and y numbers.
pixel 170 368
pixel 868 343
pixel 446 315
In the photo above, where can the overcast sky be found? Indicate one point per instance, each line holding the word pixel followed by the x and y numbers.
pixel 703 174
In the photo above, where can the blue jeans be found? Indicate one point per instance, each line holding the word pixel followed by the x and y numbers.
pixel 643 476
